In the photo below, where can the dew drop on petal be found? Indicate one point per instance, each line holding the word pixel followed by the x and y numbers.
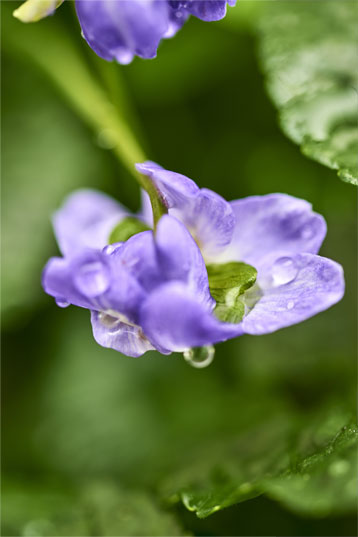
pixel 109 249
pixel 284 271
pixel 62 303
pixel 92 279
pixel 200 357
pixel 290 304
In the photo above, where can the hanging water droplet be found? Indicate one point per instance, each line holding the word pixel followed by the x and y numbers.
pixel 290 304
pixel 200 357
pixel 284 271
pixel 62 303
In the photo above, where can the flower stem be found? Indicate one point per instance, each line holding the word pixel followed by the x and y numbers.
pixel 49 45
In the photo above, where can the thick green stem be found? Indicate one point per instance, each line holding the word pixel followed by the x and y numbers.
pixel 49 45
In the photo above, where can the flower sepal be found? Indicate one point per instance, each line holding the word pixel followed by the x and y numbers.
pixel 227 283
pixel 126 228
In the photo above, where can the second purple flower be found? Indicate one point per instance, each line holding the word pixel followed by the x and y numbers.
pixel 121 29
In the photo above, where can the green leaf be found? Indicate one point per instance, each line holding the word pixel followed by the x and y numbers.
pixel 227 283
pixel 308 52
pixel 99 508
pixel 127 228
pixel 313 477
pixel 263 407
pixel 322 480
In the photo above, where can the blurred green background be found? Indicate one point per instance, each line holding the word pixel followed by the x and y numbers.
pixel 95 443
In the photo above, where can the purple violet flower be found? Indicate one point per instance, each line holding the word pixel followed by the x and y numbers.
pixel 153 291
pixel 121 29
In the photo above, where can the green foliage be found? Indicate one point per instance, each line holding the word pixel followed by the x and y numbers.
pixel 268 416
pixel 308 52
pixel 211 440
pixel 46 154
pixel 227 283
pixel 53 49
pixel 98 508
pixel 277 459
pixel 126 229
pixel 323 482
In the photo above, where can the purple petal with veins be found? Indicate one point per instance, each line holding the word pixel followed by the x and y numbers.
pixel 152 291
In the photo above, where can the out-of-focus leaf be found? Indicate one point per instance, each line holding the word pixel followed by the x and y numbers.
pixel 185 65
pixel 323 482
pixel 227 471
pixel 46 153
pixel 308 52
pixel 212 440
pixel 99 508
pixel 310 475
pixel 99 424
pixel 126 229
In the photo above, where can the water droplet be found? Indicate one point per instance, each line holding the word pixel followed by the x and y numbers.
pixel 244 488
pixel 338 468
pixel 92 279
pixel 290 304
pixel 200 357
pixel 62 303
pixel 38 528
pixel 109 249
pixel 307 231
pixel 284 271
